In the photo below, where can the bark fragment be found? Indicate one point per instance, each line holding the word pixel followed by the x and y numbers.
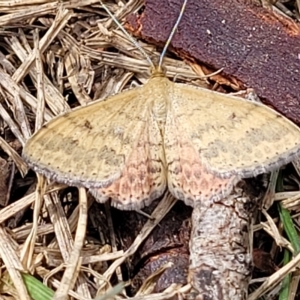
pixel 255 47
pixel 220 254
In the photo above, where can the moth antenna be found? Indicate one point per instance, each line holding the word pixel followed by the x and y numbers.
pixel 171 34
pixel 134 42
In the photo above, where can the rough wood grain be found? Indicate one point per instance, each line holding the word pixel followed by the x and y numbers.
pixel 255 47
pixel 220 259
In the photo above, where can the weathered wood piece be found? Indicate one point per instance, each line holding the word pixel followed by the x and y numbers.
pixel 255 47
pixel 220 254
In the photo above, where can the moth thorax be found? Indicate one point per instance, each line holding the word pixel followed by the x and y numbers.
pixel 159 111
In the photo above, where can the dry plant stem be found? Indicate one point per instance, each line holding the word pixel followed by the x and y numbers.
pixel 39 83
pixel 174 291
pixel 112 238
pixel 63 234
pixel 54 99
pixel 12 124
pixel 273 280
pixel 280 241
pixel 270 227
pixel 157 215
pixel 27 13
pixel 62 18
pixel 10 185
pixel 220 261
pixel 68 279
pixel 15 157
pixel 28 248
pixel 20 234
pixel 9 211
pixel 72 64
pixel 11 89
pixel 12 263
pixel 294 286
pixel 269 196
pixel 37 10
pixel 21 117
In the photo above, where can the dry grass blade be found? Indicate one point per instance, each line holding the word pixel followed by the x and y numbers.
pixel 149 285
pixel 22 167
pixel 13 208
pixel 160 211
pixel 13 126
pixel 12 263
pixel 26 13
pixel 12 88
pixel 53 98
pixel 73 263
pixel 172 291
pixel 28 249
pixel 40 83
pixel 273 231
pixel 275 278
pixel 61 20
pixel 75 69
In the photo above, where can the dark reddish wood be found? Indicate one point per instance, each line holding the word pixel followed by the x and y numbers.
pixel 255 47
pixel 168 242
pixel 263 261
